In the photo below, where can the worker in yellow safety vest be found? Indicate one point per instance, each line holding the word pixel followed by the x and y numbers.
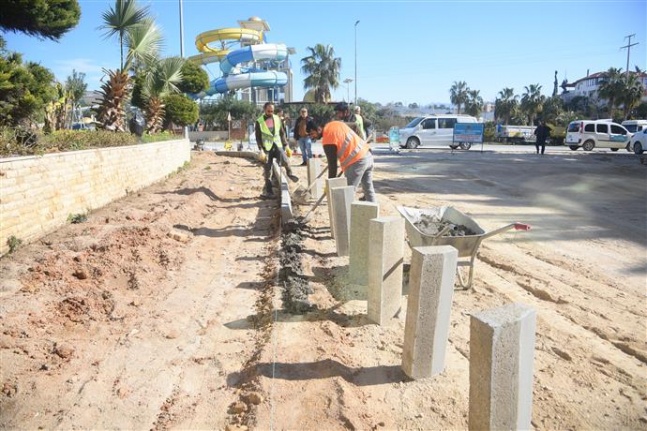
pixel 268 133
pixel 341 144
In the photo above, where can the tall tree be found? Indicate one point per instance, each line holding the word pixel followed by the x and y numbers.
pixel 42 18
pixel 532 102
pixel 75 86
pixel 458 94
pixel 322 69
pixel 505 105
pixel 25 89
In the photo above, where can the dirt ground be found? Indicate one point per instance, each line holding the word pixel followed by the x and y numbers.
pixel 169 310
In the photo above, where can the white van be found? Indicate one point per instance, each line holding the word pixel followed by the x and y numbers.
pixel 434 131
pixel 635 126
pixel 590 134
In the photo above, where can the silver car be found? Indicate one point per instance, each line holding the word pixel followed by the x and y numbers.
pixel 434 131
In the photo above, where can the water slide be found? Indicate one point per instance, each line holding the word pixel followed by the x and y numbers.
pixel 214 47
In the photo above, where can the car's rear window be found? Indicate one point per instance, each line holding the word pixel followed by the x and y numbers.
pixel 574 127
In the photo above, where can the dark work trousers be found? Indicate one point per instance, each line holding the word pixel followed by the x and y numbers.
pixel 281 158
pixel 540 143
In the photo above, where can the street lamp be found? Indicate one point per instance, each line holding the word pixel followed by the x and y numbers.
pixel 347 81
pixel 356 22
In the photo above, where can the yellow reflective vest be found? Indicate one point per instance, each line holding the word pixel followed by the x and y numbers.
pixel 270 138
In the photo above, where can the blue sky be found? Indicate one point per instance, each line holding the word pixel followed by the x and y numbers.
pixel 407 51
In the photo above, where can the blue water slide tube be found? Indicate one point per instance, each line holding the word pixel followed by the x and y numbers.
pixel 269 78
pixel 266 51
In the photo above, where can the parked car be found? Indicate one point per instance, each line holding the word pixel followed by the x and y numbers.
pixel 590 134
pixel 638 142
pixel 434 131
pixel 635 126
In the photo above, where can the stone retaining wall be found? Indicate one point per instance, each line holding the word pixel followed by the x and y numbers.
pixel 39 193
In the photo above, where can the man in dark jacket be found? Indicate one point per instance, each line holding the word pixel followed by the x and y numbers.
pixel 302 128
pixel 542 132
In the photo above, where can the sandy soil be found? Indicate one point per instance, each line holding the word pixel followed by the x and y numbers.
pixel 167 309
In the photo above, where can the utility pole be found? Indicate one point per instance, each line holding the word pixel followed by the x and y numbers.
pixel 185 132
pixel 628 47
pixel 356 22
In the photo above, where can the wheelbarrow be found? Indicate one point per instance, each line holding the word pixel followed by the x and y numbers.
pixel 419 225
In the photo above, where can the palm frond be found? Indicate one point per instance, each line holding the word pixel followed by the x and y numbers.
pixel 124 14
pixel 144 42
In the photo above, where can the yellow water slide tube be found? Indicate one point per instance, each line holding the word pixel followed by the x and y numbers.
pixel 211 52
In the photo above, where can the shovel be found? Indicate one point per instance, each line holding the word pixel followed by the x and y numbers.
pixel 308 215
pixel 300 194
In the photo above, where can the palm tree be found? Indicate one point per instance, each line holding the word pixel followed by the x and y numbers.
pixel 632 93
pixel 532 102
pixel 506 104
pixel 161 81
pixel 611 88
pixel 458 94
pixel 121 18
pixel 474 103
pixel 143 41
pixel 322 69
pixel 553 109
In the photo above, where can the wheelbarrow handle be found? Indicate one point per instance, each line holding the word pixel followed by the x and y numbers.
pixel 515 226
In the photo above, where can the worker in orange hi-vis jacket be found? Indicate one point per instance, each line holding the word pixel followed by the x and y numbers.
pixel 345 148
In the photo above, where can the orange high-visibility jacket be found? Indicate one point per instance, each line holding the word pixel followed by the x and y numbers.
pixel 350 147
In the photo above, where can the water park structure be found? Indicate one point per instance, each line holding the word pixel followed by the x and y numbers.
pixel 260 70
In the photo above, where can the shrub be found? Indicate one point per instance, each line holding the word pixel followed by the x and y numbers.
pixel 13 242
pixel 20 142
pixel 180 110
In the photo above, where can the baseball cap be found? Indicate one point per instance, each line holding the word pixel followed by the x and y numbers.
pixel 341 106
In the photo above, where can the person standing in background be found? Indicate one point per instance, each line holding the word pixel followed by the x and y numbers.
pixel 302 128
pixel 542 132
pixel 359 121
pixel 342 113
